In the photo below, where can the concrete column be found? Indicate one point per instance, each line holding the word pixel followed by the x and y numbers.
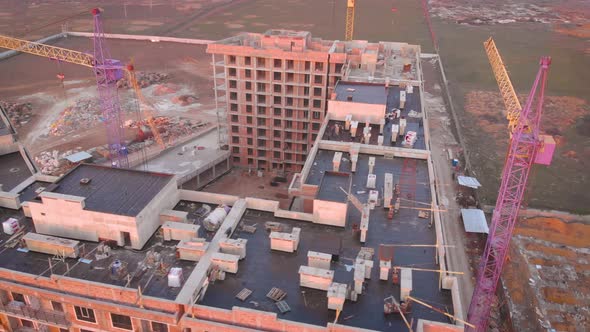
pixel 354 159
pixel 353 127
pixel 359 277
pixel 371 164
pixel 348 120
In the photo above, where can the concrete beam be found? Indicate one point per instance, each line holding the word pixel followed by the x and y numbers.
pixel 153 39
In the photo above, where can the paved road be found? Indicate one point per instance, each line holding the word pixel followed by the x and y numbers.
pixel 442 140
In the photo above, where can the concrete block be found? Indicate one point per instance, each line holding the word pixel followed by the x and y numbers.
pixel 366 265
pixel 380 140
pixel 313 277
pixel 173 215
pixel 371 165
pixel 191 250
pixel 296 233
pixel 354 159
pixel 364 227
pixel 371 181
pixel 353 127
pixel 179 231
pixel 373 198
pixel 394 132
pixel 384 268
pixel 359 278
pixel 336 161
pixel 405 283
pixel 336 296
pixel 388 190
pixel 287 242
pixel 52 245
pixel 225 262
pixel 402 127
pixel 319 260
pixel 347 121
pixel 234 247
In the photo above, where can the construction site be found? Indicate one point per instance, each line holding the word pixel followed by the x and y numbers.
pixel 250 174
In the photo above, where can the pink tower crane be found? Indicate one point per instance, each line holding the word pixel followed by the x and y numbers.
pixel 522 153
pixel 108 71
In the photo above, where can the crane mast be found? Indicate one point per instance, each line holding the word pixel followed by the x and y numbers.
pixel 107 72
pixel 524 145
pixel 145 106
pixel 349 20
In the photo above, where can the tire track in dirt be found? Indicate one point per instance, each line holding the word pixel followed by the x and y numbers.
pixel 200 14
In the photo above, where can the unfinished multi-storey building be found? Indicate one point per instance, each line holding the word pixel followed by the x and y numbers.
pixel 275 87
pixel 272 88
pixel 216 262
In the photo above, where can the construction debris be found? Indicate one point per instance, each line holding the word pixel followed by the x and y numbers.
pixel 144 79
pixel 273 226
pixel 54 162
pixel 185 100
pixel 168 127
pixel 84 114
pixel 19 114
pixel 165 89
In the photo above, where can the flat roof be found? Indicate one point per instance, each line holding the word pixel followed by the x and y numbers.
pixel 474 221
pixel 263 268
pixel 331 184
pixel 97 269
pixel 13 170
pixel 414 122
pixel 32 191
pixel 4 127
pixel 181 161
pixel 361 93
pixel 112 190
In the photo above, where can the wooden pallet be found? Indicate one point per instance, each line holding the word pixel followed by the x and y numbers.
pixel 283 306
pixel 249 229
pixel 243 294
pixel 276 294
pixel 273 226
pixel 424 214
pixel 366 253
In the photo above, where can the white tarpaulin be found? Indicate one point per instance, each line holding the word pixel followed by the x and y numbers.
pixel 474 221
pixel 468 181
pixel 78 157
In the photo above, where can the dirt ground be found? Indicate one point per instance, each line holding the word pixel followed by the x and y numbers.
pixel 55 125
pixel 548 277
pixel 565 118
pixel 240 182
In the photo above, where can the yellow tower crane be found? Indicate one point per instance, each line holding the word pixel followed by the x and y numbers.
pixel 79 58
pixel 509 96
pixel 146 105
pixel 349 20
